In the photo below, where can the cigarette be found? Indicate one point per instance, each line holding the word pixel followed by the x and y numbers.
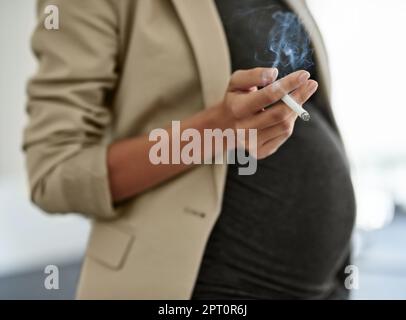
pixel 302 113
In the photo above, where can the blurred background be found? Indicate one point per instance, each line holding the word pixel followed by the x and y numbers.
pixel 367 54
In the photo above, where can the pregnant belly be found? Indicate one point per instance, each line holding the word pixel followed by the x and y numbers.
pixel 289 225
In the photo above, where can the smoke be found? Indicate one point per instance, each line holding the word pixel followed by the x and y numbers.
pixel 287 46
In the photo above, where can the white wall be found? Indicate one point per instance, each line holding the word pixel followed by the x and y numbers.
pixel 367 50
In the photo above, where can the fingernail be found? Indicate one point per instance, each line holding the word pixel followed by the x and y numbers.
pixel 312 86
pixel 304 76
pixel 269 75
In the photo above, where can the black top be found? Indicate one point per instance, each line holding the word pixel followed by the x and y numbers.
pixel 285 231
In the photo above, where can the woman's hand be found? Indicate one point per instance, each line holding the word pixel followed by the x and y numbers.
pixel 244 105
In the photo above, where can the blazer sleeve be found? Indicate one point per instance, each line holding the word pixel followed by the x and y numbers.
pixel 69 108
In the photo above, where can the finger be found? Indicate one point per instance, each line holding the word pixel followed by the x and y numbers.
pixel 284 128
pixel 303 93
pixel 269 117
pixel 256 101
pixel 246 79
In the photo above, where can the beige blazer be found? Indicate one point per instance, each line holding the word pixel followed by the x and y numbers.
pixel 116 69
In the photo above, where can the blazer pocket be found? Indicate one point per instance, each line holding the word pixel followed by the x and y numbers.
pixel 109 245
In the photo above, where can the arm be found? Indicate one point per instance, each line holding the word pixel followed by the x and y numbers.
pixel 68 113
pixel 130 169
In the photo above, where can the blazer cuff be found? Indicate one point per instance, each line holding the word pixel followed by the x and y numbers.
pixel 87 185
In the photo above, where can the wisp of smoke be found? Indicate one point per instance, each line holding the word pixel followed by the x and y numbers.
pixel 288 46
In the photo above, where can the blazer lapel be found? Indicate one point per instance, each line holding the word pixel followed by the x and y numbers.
pixel 206 35
pixel 208 41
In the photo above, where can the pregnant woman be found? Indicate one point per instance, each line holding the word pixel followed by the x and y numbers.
pixel 114 71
